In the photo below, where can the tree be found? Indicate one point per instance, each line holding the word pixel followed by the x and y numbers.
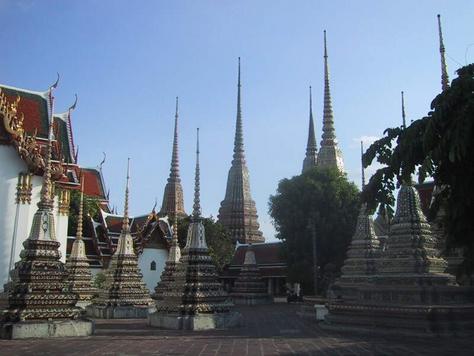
pixel 91 208
pixel 439 145
pixel 221 248
pixel 322 197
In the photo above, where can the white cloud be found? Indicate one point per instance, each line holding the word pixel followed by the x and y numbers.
pixel 367 140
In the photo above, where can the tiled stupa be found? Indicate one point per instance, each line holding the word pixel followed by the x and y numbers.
pixel 238 212
pixel 40 301
pixel 329 154
pixel 167 276
pixel 196 299
pixel 80 276
pixel 311 156
pixel 360 263
pixel 124 294
pixel 249 288
pixel 173 201
pixel 410 292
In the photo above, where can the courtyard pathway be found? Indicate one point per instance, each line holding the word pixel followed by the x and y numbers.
pixel 268 330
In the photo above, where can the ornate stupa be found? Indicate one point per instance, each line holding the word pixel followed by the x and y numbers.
pixel 196 299
pixel 124 294
pixel 311 147
pixel 167 276
pixel 249 288
pixel 238 212
pixel 410 293
pixel 40 301
pixel 173 202
pixel 364 250
pixel 80 277
pixel 329 153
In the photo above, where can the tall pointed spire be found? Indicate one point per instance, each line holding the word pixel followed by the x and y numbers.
pixel 197 187
pixel 329 154
pixel 239 136
pixel 126 220
pixel 238 212
pixel 362 163
pixel 403 112
pixel 311 147
pixel 81 212
pixel 444 68
pixel 173 202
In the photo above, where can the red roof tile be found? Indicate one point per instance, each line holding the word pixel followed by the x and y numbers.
pixel 265 253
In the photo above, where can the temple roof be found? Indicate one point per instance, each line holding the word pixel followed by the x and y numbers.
pixel 269 253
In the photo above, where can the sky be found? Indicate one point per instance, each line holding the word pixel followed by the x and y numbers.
pixel 128 60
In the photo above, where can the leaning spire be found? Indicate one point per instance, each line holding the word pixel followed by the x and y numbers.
pixel 238 213
pixel 311 147
pixel 329 155
pixel 444 68
pixel 173 202
pixel 362 163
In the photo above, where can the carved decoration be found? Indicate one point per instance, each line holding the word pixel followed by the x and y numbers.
pixel 64 200
pixel 23 188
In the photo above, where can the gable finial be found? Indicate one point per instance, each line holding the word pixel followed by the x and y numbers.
pixel 442 50
pixel 197 201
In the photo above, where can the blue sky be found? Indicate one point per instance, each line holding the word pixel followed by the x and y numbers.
pixel 128 60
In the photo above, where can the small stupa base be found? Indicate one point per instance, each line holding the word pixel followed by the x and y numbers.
pixel 118 312
pixel 252 299
pixel 47 329
pixel 195 322
pixel 419 320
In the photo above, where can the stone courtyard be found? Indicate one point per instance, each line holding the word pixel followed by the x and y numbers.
pixel 268 330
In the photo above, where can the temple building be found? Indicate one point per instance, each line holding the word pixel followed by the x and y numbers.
pixel 25 118
pixel 238 213
pixel 311 147
pixel 329 153
pixel 40 304
pixel 173 202
pixel 249 288
pixel 271 264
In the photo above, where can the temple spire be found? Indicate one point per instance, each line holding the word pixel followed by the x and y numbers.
pixel 311 146
pixel 197 201
pixel 239 136
pixel 238 213
pixel 173 196
pixel 126 220
pixel 403 112
pixel 81 212
pixel 329 154
pixel 362 163
pixel 444 69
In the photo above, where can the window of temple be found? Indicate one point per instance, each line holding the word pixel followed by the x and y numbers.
pixel 153 266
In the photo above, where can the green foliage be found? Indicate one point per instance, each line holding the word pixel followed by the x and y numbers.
pixel 99 280
pixel 322 197
pixel 440 145
pixel 91 208
pixel 221 248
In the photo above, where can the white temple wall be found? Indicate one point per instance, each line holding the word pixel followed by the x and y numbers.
pixel 62 222
pixel 159 256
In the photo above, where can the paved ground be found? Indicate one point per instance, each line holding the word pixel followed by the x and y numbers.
pixel 268 330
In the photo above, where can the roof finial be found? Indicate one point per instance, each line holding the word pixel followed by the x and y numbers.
pixel 362 163
pixel 81 212
pixel 403 112
pixel 197 202
pixel 126 221
pixel 444 69
pixel 239 137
